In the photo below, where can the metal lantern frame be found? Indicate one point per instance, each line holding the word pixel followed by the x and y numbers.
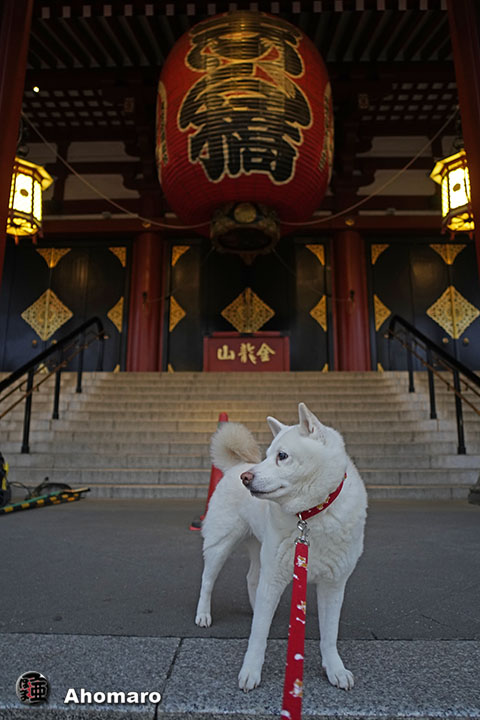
pixel 29 180
pixel 453 176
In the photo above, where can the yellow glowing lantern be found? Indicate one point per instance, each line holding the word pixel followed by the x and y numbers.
pixel 452 175
pixel 25 206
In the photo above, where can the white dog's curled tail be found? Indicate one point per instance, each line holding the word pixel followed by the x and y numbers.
pixel 233 444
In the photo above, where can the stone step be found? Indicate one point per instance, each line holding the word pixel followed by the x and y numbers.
pixel 426 476
pixel 377 492
pixel 273 395
pixel 179 476
pixel 105 461
pixel 186 378
pixel 254 403
pixel 159 459
pixel 337 418
pixel 161 425
pixel 286 380
pixel 254 419
pixel 261 409
pixel 370 446
pixel 362 435
pixel 148 435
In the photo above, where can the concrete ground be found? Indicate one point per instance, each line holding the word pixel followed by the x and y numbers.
pixel 101 595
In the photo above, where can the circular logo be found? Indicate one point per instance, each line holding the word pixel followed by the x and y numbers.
pixel 32 688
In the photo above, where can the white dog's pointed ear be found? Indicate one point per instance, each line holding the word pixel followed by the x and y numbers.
pixel 275 425
pixel 310 425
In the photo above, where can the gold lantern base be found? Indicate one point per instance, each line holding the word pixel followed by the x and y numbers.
pixel 245 229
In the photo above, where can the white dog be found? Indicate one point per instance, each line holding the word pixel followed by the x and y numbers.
pixel 304 464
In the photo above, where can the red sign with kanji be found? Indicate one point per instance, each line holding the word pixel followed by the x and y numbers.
pixel 258 352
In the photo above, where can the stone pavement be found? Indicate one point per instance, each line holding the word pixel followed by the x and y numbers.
pixel 101 595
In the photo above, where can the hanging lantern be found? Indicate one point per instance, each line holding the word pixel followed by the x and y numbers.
pixel 452 175
pixel 25 206
pixel 244 129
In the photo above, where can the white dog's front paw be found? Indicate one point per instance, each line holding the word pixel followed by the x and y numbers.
pixel 203 619
pixel 339 676
pixel 249 677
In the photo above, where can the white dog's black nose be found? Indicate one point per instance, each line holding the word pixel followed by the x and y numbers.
pixel 246 478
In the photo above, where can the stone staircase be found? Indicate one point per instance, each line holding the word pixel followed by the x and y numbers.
pixel 146 435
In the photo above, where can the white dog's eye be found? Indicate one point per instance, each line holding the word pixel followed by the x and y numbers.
pixel 282 455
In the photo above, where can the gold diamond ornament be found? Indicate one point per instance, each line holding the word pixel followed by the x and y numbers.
pixel 177 252
pixel 247 313
pixel 453 312
pixel 319 313
pixel 448 252
pixel 376 250
pixel 318 251
pixel 115 314
pixel 52 255
pixel 177 313
pixel 381 312
pixel 120 253
pixel 47 315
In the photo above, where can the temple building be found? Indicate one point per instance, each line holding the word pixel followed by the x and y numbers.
pixel 81 80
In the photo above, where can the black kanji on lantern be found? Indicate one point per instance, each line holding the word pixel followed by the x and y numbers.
pixel 246 110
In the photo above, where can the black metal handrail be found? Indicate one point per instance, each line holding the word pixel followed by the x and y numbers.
pixel 30 368
pixel 448 362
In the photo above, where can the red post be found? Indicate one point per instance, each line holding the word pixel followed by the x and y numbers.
pixel 464 19
pixel 146 303
pixel 350 304
pixel 215 477
pixel 15 21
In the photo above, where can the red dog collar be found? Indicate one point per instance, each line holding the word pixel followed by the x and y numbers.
pixel 306 514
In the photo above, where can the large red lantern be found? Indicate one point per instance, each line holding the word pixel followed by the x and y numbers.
pixel 244 128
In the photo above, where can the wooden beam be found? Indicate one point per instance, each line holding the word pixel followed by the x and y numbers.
pixel 46 35
pixel 396 225
pixel 388 22
pixel 436 39
pixel 84 134
pixel 390 72
pixel 98 167
pixel 179 7
pixel 370 164
pixel 42 53
pixel 64 30
pixel 95 206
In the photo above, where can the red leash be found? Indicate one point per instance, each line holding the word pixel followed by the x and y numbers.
pixel 293 683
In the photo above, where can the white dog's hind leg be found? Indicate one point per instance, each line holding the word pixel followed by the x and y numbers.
pixel 254 569
pixel 266 600
pixel 330 600
pixel 214 558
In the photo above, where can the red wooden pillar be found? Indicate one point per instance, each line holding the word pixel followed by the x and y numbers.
pixel 464 19
pixel 350 305
pixel 15 21
pixel 144 351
